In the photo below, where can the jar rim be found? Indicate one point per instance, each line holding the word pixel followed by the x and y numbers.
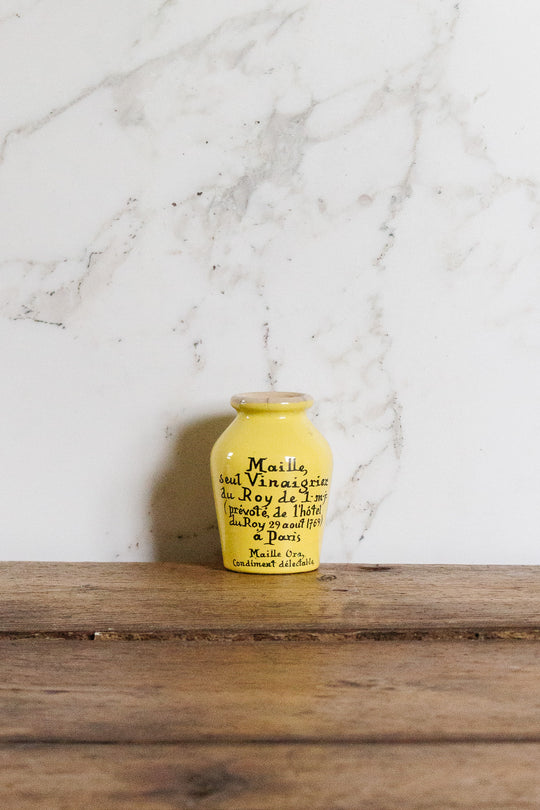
pixel 269 400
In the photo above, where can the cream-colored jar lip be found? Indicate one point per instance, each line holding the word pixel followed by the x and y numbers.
pixel 265 400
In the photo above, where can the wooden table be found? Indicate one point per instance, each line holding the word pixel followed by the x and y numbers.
pixel 175 686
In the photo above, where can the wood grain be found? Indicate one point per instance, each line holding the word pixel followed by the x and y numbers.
pixel 175 686
pixel 189 601
pixel 262 777
pixel 140 692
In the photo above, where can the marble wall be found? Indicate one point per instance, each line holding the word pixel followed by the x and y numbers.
pixel 201 198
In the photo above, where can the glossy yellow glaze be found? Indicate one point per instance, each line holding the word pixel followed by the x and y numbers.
pixel 271 474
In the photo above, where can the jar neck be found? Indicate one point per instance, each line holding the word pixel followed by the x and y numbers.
pixel 274 415
pixel 271 403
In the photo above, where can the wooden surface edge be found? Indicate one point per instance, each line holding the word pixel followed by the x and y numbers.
pixel 173 600
pixel 35 565
pixel 314 634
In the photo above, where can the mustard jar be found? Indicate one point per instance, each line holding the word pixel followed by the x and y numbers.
pixel 271 474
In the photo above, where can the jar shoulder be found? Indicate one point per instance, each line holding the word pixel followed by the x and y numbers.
pixel 258 438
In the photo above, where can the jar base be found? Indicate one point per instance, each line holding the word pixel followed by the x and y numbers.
pixel 271 571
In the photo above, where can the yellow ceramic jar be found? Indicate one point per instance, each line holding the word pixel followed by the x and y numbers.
pixel 271 475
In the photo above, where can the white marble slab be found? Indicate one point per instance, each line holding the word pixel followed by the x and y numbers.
pixel 201 198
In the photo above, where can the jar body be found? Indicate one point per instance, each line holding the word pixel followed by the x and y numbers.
pixel 271 474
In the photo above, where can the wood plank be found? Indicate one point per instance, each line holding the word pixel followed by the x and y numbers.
pixel 194 601
pixel 140 692
pixel 243 777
